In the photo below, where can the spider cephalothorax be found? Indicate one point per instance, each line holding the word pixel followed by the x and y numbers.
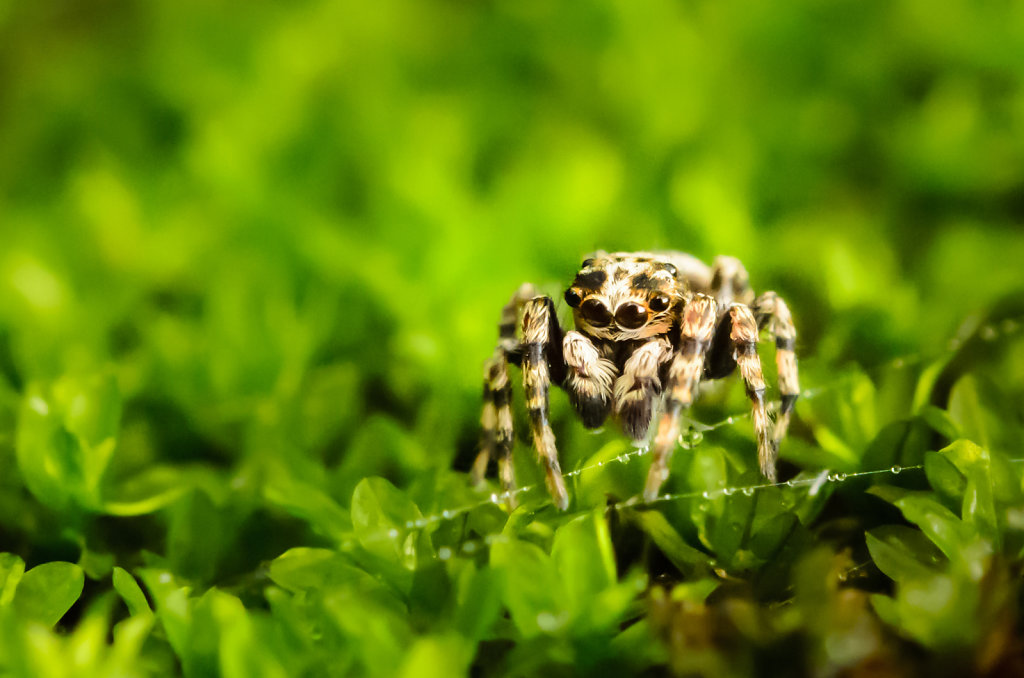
pixel 649 328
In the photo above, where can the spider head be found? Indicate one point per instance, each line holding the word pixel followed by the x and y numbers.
pixel 624 296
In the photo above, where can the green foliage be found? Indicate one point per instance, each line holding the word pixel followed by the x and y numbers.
pixel 252 262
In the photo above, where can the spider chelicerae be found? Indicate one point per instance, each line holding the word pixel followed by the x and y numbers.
pixel 649 327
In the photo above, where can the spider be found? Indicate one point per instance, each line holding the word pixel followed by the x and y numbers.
pixel 648 328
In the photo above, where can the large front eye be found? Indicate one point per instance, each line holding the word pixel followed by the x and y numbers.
pixel 631 315
pixel 659 303
pixel 596 313
pixel 572 297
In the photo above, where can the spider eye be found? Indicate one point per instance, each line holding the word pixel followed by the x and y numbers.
pixel 631 315
pixel 659 303
pixel 587 263
pixel 572 297
pixel 596 313
pixel 671 268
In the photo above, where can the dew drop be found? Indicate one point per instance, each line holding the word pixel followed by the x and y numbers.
pixel 494 498
pixel 791 482
pixel 840 477
pixel 444 553
pixel 728 491
pixel 393 533
pixel 409 524
pixel 597 431
pixel 469 547
pixel 422 522
pixel 896 469
pixel 730 420
pixel 748 491
pixel 702 507
pixel 446 514
pixel 706 494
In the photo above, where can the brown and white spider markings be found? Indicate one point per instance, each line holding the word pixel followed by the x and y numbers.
pixel 646 325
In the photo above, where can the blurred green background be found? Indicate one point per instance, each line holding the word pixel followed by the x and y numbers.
pixel 251 253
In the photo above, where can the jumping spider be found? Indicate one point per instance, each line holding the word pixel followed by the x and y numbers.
pixel 646 324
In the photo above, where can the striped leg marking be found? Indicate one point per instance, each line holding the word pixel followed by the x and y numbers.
pixel 696 330
pixel 496 423
pixel 744 338
pixel 496 436
pixel 771 311
pixel 536 382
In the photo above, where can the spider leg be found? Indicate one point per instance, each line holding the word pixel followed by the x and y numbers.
pixel 589 378
pixel 771 311
pixel 744 338
pixel 695 332
pixel 540 333
pixel 730 283
pixel 497 436
pixel 639 386
pixel 496 423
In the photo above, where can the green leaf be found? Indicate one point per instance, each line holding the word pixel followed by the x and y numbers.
pixel 198 536
pixel 242 651
pixel 974 417
pixel 940 421
pixel 902 553
pixel 533 590
pixel 66 437
pixel 12 569
pixel 131 593
pixel 766 541
pixel 955 539
pixel 444 656
pixel 173 608
pixel 932 609
pixel 478 601
pixel 985 467
pixel 381 515
pixel 323 572
pixel 582 553
pixel 309 503
pixel 688 560
pixel 147 492
pixel 48 591
pixel 943 476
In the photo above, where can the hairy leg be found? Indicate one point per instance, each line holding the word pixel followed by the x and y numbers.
pixel 771 311
pixel 744 337
pixel 696 330
pixel 496 423
pixel 589 378
pixel 496 419
pixel 639 385
pixel 730 283
pixel 538 318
